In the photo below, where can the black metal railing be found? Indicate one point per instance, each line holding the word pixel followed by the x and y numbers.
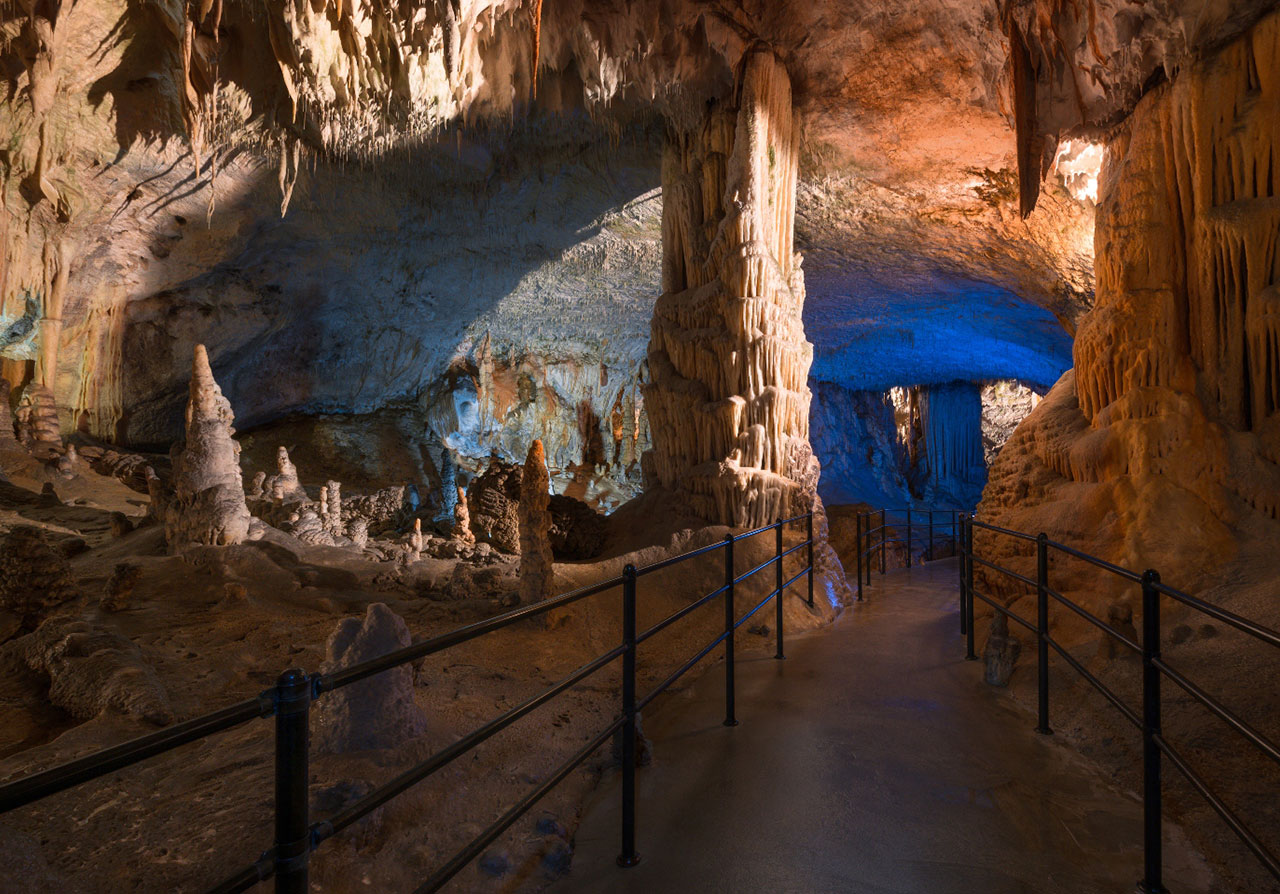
pixel 1147 719
pixel 902 532
pixel 290 700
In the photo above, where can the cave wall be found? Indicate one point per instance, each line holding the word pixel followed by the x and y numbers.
pixel 1162 447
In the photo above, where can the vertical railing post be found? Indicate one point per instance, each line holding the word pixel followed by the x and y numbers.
pixel 810 558
pixel 908 565
pixel 629 857
pixel 884 537
pixel 960 568
pixel 861 557
pixel 955 532
pixel 730 622
pixel 293 824
pixel 1153 861
pixel 777 564
pixel 969 654
pixel 1042 633
pixel 930 535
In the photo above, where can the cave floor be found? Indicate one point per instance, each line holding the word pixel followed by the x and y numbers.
pixel 874 759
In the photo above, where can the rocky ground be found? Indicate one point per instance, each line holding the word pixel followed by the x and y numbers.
pixel 120 653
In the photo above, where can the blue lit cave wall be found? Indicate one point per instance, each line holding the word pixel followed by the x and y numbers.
pixel 898 380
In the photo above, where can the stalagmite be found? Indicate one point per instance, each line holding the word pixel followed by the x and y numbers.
pixel 331 508
pixel 462 520
pixel 284 484
pixel 37 422
pixel 537 577
pixel 208 505
pixel 416 540
pixel 729 400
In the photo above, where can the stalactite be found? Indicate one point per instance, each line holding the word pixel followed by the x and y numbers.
pixel 728 359
pixel 951 417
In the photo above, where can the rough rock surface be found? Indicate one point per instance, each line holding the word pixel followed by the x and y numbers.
pixel 1000 652
pixel 577 531
pixel 375 713
pixel 208 505
pixel 34 576
pixel 461 529
pixel 91 670
pixel 537 576
pixel 493 500
pixel 284 486
pixel 37 421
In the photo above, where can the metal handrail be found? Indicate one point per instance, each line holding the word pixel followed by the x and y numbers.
pixel 1148 720
pixel 289 701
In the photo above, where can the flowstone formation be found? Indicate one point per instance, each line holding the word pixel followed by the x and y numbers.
pixel 729 402
pixel 1164 441
pixel 208 505
pixel 537 576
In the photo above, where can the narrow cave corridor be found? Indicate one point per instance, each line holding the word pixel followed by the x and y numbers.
pixel 507 445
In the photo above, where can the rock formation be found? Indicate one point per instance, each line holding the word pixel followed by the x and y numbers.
pixel 537 576
pixel 492 501
pixel 1167 428
pixel 34 577
pixel 1001 651
pixel 375 713
pixel 577 531
pixel 208 505
pixel 728 401
pixel 37 421
pixel 284 485
pixel 331 508
pixel 461 529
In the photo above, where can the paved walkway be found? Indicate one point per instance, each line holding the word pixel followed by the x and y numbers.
pixel 872 760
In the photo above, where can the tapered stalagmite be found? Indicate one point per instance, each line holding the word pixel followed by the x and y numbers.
pixel 284 483
pixel 208 504
pixel 537 579
pixel 462 520
pixel 729 401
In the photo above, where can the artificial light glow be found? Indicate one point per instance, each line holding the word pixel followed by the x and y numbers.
pixel 1078 163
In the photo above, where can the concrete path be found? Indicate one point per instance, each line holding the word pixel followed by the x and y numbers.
pixel 872 760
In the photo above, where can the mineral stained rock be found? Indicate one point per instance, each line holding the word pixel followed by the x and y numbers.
pixel 375 713
pixel 492 502
pixel 208 505
pixel 537 576
pixel 461 529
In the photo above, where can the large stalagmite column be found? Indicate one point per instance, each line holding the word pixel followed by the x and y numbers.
pixel 728 402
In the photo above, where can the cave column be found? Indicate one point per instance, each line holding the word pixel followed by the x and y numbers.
pixel 728 400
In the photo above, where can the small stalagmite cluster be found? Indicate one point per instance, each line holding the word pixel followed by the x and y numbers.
pixel 729 399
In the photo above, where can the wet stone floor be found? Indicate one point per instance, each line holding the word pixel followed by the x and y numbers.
pixel 873 759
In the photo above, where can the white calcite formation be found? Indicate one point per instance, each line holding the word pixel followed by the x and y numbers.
pixel 208 505
pixel 537 577
pixel 284 486
pixel 728 402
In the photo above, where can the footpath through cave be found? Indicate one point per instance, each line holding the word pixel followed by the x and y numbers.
pixel 873 760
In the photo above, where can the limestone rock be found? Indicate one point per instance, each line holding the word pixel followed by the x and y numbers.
pixel 537 577
pixel 91 670
pixel 37 422
pixel 121 524
pixel 34 576
pixel 1119 619
pixel 208 505
pixel 119 589
pixel 284 485
pixel 1001 652
pixel 331 508
pixel 577 531
pixel 461 529
pixel 375 713
pixel 492 501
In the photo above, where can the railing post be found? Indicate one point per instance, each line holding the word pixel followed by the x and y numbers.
pixel 629 857
pixel 964 604
pixel 1042 632
pixel 1151 796
pixel 884 539
pixel 908 565
pixel 811 558
pixel 293 825
pixel 777 564
pixel 730 619
pixel 860 556
pixel 969 654
pixel 955 532
pixel 930 559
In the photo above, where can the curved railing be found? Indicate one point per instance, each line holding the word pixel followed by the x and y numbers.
pixel 1148 718
pixel 296 836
